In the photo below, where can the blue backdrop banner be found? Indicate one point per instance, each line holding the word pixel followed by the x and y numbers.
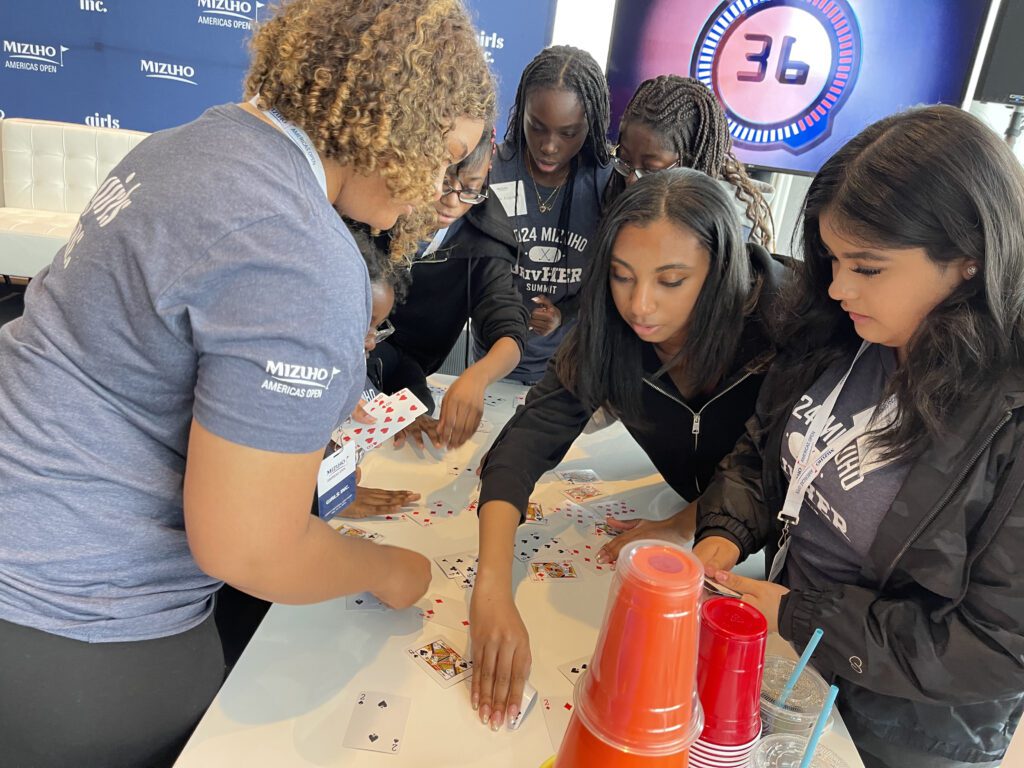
pixel 151 64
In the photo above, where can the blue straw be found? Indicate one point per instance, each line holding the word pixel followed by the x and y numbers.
pixel 819 727
pixel 799 669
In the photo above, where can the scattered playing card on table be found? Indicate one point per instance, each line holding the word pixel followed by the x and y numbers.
pixel 420 516
pixel 485 427
pixel 530 542
pixel 578 476
pixel 573 669
pixel 613 507
pixel 442 661
pixel 525 705
pixel 604 529
pixel 574 512
pixel 557 712
pixel 490 399
pixel 460 566
pixel 364 601
pixel 350 530
pixel 472 506
pixel 535 514
pixel 553 571
pixel 445 611
pixel 378 722
pixel 581 492
pixel 520 399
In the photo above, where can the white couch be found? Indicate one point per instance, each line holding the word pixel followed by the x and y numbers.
pixel 49 172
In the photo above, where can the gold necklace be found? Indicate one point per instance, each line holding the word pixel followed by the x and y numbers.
pixel 542 204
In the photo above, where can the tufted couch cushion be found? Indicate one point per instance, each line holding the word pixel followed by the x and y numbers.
pixel 49 173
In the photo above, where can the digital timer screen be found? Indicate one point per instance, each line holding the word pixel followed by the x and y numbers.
pixel 798 78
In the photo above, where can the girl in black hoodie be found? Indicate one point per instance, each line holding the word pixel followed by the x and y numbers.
pixel 672 339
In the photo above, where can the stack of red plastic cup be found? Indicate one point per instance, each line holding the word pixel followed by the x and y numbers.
pixel 733 638
pixel 637 705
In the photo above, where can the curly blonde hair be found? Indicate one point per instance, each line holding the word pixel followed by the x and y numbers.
pixel 377 85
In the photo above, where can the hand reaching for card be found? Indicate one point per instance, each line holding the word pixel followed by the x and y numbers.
pixel 678 527
pixel 501 656
pixel 546 318
pixel 403 576
pixel 424 426
pixel 461 410
pixel 717 553
pixel 370 502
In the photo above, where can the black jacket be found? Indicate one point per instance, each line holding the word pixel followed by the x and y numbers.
pixel 685 439
pixel 931 654
pixel 470 278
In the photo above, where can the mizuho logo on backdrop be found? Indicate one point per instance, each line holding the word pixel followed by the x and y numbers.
pixel 160 70
pixel 34 57
pixel 232 14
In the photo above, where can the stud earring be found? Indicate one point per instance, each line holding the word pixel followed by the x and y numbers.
pixel 972 271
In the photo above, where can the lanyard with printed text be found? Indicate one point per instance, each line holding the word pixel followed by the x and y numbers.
pixel 299 138
pixel 806 469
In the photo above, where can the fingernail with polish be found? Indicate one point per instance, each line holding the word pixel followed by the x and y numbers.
pixel 496 721
pixel 485 714
pixel 513 712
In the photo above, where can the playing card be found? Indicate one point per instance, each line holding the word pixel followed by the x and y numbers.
pixel 392 414
pixel 420 516
pixel 557 712
pixel 715 588
pixel 378 722
pixel 581 492
pixel 456 468
pixel 485 427
pixel 364 601
pixel 553 571
pixel 490 399
pixel 350 530
pixel 535 514
pixel 530 542
pixel 460 566
pixel 573 669
pixel 574 512
pixel 520 399
pixel 442 662
pixel 603 529
pixel 613 507
pixel 586 554
pixel 442 610
pixel 525 705
pixel 578 476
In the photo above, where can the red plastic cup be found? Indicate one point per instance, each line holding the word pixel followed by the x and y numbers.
pixel 733 639
pixel 636 704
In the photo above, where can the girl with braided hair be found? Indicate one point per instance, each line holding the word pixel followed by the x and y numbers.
pixel 549 174
pixel 674 121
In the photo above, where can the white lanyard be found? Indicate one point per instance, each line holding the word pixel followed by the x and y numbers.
pixel 299 138
pixel 806 470
pixel 435 242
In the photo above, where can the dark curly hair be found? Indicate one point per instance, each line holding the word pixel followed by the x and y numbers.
pixel 376 84
pixel 689 118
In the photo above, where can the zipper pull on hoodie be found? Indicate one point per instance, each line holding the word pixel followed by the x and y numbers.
pixel 696 428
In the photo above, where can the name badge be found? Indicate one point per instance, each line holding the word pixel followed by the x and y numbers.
pixel 336 482
pixel 512 195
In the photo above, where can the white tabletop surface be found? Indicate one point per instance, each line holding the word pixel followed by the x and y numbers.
pixel 289 699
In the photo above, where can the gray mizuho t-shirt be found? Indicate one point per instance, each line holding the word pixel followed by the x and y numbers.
pixel 209 277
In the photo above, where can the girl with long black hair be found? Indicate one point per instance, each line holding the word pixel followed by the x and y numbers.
pixel 549 174
pixel 672 340
pixel 883 470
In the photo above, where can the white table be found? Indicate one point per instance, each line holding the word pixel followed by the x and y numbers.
pixel 289 699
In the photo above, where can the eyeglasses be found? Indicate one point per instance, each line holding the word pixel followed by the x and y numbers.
pixel 467 196
pixel 381 332
pixel 627 170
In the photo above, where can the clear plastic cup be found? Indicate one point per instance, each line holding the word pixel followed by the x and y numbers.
pixel 786 750
pixel 804 704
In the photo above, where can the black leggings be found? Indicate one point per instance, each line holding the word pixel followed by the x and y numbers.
pixel 68 703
